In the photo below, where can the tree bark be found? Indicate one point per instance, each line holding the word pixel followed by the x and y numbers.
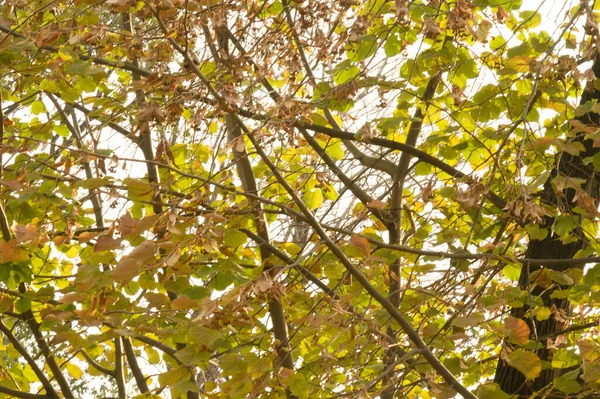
pixel 510 379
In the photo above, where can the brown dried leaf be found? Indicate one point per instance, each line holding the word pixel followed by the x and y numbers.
pixel 144 252
pixel 126 270
pixel 23 232
pixel 106 243
pixel 12 184
pixel 587 203
pixel 126 224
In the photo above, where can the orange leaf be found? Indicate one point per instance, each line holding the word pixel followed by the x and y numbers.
pixel 10 251
pixel 86 236
pixel 518 329
pixel 73 297
pixel 183 302
pixel 361 243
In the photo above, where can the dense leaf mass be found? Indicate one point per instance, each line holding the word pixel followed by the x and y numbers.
pixel 299 199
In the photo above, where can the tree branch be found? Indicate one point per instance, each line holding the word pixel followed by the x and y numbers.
pixel 248 180
pixel 119 370
pixel 375 294
pixel 22 395
pixel 96 365
pixel 138 375
pixel 30 361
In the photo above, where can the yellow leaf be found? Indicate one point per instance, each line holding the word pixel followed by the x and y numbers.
pixel 74 371
pixel 527 362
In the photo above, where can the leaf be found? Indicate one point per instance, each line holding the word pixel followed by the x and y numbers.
pixel 363 48
pixel 96 182
pixel 144 252
pixel 234 238
pixel 173 376
pixel 567 382
pixel 564 358
pixel 564 224
pixel 22 305
pixel 392 46
pixel 345 72
pixel 73 297
pixel 74 370
pixel 518 330
pixel 313 199
pixel 527 362
pixel 106 243
pixel 491 391
pixel 183 303
pixel 299 386
pixel 126 270
pixel 37 107
pixel 138 189
pixel 531 19
pixel 23 232
pixel 335 150
pixel 361 243
pixel 12 184
pixel 10 251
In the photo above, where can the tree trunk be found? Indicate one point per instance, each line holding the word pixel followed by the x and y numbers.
pixel 510 379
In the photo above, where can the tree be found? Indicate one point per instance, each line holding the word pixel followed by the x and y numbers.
pixel 299 199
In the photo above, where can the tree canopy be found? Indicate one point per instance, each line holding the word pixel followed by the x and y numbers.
pixel 299 199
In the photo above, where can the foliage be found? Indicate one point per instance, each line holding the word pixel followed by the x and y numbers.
pixel 297 199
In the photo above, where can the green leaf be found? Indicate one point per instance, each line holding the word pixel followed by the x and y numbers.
pixel 497 42
pixel 299 386
pixel 78 67
pixel 38 107
pixel 535 232
pixel 567 382
pixel 173 376
pixel 392 45
pixel 527 362
pixel 491 391
pixel 95 182
pixel 22 305
pixel 596 161
pixel 234 238
pixel 345 72
pixel 564 224
pixel 363 48
pixel 531 19
pixel 50 86
pixel 231 364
